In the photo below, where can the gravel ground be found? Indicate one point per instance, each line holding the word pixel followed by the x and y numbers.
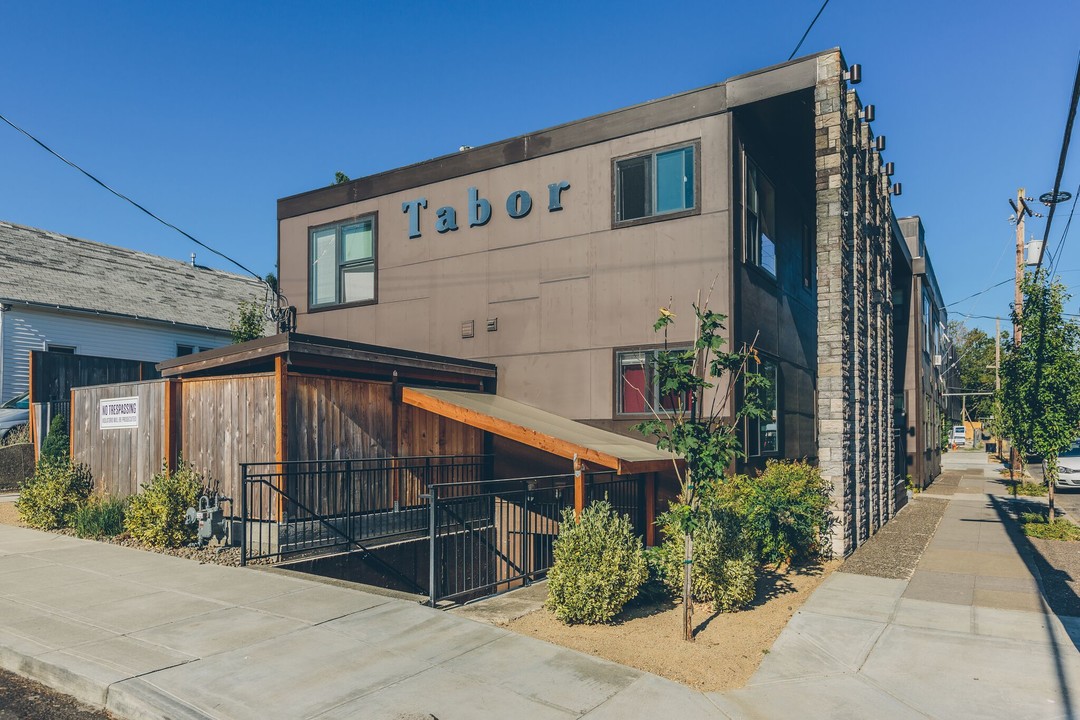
pixel 23 699
pixel 895 550
pixel 1059 565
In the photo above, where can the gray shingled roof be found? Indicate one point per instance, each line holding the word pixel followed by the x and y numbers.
pixel 46 268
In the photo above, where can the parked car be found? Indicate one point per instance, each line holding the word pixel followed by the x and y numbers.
pixel 14 414
pixel 1069 467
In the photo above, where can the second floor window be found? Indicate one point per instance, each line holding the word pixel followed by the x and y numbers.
pixel 343 263
pixel 654 184
pixel 760 219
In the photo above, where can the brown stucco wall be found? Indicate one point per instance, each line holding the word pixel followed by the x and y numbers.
pixel 565 287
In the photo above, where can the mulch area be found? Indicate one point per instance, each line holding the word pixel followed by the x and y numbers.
pixel 896 548
pixel 1059 566
pixel 24 699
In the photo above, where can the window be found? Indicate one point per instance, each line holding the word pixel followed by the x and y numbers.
pixel 182 350
pixel 760 219
pixel 762 435
pixel 66 349
pixel 638 391
pixel 655 184
pixel 343 263
pixel 927 321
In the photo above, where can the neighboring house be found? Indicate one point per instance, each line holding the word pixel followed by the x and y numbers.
pixel 65 294
pixel 550 255
pixel 921 381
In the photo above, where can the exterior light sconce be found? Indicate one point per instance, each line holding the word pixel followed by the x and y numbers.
pixel 897 189
pixel 888 169
pixel 868 113
pixel 879 143
pixel 853 74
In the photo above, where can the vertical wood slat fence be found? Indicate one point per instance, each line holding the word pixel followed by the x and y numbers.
pixel 218 423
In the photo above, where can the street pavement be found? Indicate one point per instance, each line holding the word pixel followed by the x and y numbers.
pixel 151 636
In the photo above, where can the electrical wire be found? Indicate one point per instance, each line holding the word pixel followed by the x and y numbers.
pixel 1061 161
pixel 124 197
pixel 1064 234
pixel 808 29
pixel 981 292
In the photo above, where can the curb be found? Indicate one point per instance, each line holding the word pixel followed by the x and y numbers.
pixel 132 698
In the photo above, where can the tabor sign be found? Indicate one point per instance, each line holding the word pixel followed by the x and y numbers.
pixel 518 204
pixel 118 413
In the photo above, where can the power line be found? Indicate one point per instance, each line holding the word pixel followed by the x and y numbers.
pixel 981 292
pixel 1061 162
pixel 127 199
pixel 808 29
pixel 1064 234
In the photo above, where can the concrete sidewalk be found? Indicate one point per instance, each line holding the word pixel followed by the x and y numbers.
pixel 153 636
pixel 969 634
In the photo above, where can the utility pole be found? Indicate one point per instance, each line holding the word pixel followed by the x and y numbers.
pixel 997 382
pixel 1022 211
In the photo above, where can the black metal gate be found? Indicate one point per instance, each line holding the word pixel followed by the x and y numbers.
pixel 489 536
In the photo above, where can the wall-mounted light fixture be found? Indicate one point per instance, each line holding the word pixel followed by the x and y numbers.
pixel 868 113
pixel 853 74
pixel 888 169
pixel 879 143
pixel 897 189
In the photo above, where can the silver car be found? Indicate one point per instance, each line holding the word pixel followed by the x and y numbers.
pixel 1069 467
pixel 14 414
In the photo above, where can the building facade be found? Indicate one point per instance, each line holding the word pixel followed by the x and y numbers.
pixel 65 294
pixel 551 254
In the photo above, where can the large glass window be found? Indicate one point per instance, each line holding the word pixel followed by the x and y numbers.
pixel 654 184
pixel 637 383
pixel 343 263
pixel 763 434
pixel 760 219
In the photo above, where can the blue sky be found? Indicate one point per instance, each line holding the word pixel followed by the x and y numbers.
pixel 207 113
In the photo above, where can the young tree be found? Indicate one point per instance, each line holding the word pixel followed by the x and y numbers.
pixel 249 322
pixel 1040 377
pixel 701 430
pixel 974 366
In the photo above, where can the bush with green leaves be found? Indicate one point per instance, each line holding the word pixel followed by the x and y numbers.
pixel 52 496
pixel 599 566
pixel 724 568
pixel 56 443
pixel 785 510
pixel 156 515
pixel 100 516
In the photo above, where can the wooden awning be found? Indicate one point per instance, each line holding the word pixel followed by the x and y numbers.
pixel 542 430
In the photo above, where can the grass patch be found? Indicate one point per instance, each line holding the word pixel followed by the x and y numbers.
pixel 100 517
pixel 1028 489
pixel 1036 525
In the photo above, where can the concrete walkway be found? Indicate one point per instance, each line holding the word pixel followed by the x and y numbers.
pixel 153 636
pixel 968 636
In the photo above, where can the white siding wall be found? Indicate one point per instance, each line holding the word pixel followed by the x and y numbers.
pixel 30 329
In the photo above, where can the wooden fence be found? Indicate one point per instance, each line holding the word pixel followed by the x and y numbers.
pixel 217 423
pixel 122 460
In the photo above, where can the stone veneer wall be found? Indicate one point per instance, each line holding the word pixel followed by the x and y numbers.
pixel 855 336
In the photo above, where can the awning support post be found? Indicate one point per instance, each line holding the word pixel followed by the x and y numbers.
pixel 579 488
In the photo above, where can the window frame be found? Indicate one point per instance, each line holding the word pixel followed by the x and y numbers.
pixel 617 384
pixel 749 423
pixel 617 222
pixel 60 348
pixel 752 247
pixel 339 265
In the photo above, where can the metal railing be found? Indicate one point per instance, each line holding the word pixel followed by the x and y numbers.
pixel 317 507
pixel 489 536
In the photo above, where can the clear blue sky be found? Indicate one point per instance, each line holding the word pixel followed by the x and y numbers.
pixel 208 112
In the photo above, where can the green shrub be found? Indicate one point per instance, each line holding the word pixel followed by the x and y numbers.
pixel 56 443
pixel 19 435
pixel 1037 525
pixel 724 570
pixel 51 497
pixel 785 510
pixel 1028 489
pixel 599 566
pixel 156 515
pixel 100 517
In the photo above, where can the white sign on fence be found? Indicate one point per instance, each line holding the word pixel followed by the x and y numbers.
pixel 118 413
